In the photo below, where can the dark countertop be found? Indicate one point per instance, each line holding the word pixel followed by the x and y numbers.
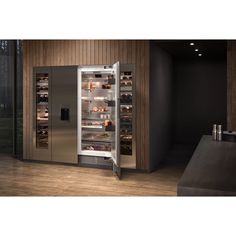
pixel 211 170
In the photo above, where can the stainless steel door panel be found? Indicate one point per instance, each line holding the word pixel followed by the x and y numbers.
pixel 64 114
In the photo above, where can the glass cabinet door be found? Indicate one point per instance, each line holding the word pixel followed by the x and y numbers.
pixel 127 116
pixel 41 110
pixel 98 118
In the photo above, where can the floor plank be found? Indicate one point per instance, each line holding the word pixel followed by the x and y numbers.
pixel 19 178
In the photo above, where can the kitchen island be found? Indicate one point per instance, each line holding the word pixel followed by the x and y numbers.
pixel 211 170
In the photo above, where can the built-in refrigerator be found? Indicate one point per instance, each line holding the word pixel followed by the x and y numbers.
pixel 106 124
pixel 98 115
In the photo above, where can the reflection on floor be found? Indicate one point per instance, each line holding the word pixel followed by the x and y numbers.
pixel 19 178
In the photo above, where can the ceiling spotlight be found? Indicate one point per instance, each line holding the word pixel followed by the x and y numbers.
pixel 191 44
pixel 199 54
pixel 196 49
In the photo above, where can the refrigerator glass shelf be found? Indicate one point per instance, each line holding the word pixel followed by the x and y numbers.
pixel 96 90
pixel 94 118
pixel 93 74
pixel 42 119
pixel 92 126
pixel 42 103
pixel 42 84
pixel 42 93
pixel 97 141
pixel 128 90
pixel 41 77
pixel 126 138
pixel 96 148
pixel 95 80
pixel 103 112
pixel 102 129
pixel 94 98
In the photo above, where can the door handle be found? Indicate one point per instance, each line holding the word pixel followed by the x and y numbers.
pixel 65 114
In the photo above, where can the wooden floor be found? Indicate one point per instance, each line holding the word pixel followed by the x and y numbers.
pixel 19 178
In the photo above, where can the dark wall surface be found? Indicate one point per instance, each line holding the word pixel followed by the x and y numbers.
pixel 160 104
pixel 200 98
pixel 11 98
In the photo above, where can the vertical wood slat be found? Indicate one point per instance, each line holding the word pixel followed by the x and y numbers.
pixel 73 52
pixel 96 51
pixel 138 104
pixel 129 51
pixel 125 51
pixel 64 49
pixel 100 52
pixel 47 51
pixel 60 52
pixel 133 52
pixel 104 52
pixel 88 51
pixel 82 52
pixel 67 53
pixel 112 51
pixel 25 92
pixel 77 52
pixel 56 52
pixel 92 52
pixel 108 52
pixel 30 94
pixel 116 51
pixel 70 52
pixel 146 104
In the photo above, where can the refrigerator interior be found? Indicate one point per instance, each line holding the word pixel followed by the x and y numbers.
pixel 98 114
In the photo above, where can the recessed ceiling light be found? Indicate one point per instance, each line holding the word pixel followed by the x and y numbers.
pixel 199 54
pixel 196 49
pixel 191 44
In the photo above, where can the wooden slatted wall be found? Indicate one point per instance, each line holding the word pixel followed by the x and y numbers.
pixel 89 52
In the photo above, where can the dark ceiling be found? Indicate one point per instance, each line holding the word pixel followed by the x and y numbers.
pixel 181 49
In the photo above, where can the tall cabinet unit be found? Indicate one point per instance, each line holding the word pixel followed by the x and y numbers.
pixel 55 114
